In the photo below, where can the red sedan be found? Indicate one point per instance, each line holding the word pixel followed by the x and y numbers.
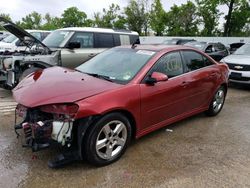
pixel 123 93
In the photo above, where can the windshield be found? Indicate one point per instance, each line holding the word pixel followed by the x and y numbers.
pixel 9 39
pixel 56 38
pixel 118 64
pixel 197 45
pixel 243 50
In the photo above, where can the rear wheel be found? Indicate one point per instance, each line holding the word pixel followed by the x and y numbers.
pixel 217 102
pixel 107 140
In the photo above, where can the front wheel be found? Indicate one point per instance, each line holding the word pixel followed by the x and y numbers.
pixel 217 102
pixel 107 139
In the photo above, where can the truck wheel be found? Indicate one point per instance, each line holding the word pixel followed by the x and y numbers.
pixel 27 72
pixel 107 139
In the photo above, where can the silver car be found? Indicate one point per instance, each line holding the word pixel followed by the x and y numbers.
pixel 239 65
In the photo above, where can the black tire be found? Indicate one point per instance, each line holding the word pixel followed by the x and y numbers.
pixel 27 72
pixel 100 157
pixel 217 103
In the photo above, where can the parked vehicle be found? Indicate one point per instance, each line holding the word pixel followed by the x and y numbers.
pixel 3 34
pixel 13 43
pixel 120 94
pixel 235 46
pixel 239 65
pixel 16 65
pixel 176 41
pixel 78 45
pixel 216 50
pixel 68 47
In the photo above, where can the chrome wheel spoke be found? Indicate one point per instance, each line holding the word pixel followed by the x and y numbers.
pixel 101 144
pixel 109 152
pixel 106 130
pixel 118 128
pixel 120 142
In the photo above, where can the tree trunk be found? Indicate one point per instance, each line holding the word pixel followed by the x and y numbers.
pixel 227 30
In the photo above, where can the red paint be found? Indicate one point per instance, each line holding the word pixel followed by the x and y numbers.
pixel 152 106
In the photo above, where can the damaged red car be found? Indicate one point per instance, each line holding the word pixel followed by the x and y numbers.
pixel 94 111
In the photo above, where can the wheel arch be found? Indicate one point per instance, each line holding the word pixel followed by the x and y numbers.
pixel 84 126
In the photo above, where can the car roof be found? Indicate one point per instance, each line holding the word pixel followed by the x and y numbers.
pixel 157 47
pixel 99 30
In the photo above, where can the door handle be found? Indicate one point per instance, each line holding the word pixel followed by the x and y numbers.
pixel 185 83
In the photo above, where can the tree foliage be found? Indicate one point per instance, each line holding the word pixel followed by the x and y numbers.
pixel 110 18
pixel 157 16
pixel 136 16
pixel 189 19
pixel 31 21
pixel 209 15
pixel 237 17
pixel 72 17
pixel 182 20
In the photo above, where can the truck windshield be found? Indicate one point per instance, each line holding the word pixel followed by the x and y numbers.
pixel 57 38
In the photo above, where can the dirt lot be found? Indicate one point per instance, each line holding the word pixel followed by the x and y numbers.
pixel 200 152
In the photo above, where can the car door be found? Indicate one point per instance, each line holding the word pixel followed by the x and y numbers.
pixel 74 57
pixel 201 75
pixel 164 100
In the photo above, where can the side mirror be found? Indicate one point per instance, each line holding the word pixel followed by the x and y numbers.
pixel 73 45
pixel 156 77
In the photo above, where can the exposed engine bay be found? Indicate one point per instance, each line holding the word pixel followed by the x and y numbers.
pixel 41 128
pixel 35 56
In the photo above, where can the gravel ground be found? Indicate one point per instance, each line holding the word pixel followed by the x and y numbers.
pixel 199 152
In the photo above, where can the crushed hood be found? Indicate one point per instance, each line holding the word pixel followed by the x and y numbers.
pixel 20 33
pixel 58 85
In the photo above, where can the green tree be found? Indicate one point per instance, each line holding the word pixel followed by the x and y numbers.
pixel 31 21
pixel 51 23
pixel 72 17
pixel 6 16
pixel 110 18
pixel 237 16
pixel 209 13
pixel 157 16
pixel 136 16
pixel 182 20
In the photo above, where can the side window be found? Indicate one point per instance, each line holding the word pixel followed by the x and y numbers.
pixel 207 61
pixel 169 64
pixel 124 39
pixel 134 38
pixel 193 60
pixel 85 39
pixel 104 40
pixel 209 49
pixel 37 35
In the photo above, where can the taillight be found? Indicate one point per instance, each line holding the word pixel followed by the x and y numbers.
pixel 65 109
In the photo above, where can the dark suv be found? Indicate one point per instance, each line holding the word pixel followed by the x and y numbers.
pixel 216 50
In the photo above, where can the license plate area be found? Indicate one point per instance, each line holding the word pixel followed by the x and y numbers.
pixel 235 75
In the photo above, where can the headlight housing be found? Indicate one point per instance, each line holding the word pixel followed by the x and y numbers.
pixel 61 109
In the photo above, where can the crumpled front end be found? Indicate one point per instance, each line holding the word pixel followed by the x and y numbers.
pixel 45 125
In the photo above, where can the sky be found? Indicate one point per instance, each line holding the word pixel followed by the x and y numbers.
pixel 19 8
